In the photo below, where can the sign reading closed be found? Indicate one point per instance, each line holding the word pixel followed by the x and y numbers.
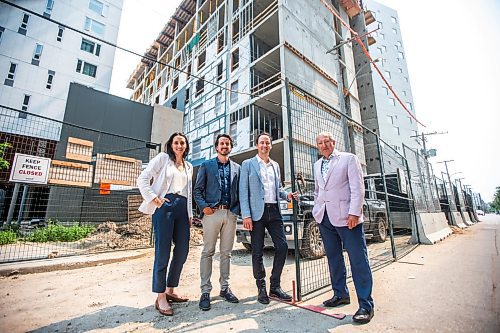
pixel 30 169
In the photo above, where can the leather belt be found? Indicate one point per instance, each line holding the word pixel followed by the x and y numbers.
pixel 221 207
pixel 275 204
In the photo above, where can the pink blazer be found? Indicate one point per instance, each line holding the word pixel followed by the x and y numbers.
pixel 343 191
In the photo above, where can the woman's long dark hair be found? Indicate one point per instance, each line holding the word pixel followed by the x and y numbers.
pixel 168 145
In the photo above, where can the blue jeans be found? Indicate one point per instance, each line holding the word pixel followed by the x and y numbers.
pixel 273 222
pixel 170 224
pixel 353 240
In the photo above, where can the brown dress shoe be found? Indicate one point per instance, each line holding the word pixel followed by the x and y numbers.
pixel 175 299
pixel 165 312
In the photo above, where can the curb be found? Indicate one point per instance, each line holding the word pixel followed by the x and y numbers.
pixel 39 266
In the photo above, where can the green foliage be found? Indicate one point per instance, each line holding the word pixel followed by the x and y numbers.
pixel 3 163
pixel 7 237
pixel 495 204
pixel 58 233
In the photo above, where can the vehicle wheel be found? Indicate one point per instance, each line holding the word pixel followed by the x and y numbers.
pixel 247 246
pixel 380 233
pixel 312 244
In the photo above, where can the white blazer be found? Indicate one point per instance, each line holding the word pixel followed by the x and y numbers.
pixel 342 194
pixel 160 169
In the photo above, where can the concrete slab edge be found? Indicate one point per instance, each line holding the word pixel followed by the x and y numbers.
pixel 39 267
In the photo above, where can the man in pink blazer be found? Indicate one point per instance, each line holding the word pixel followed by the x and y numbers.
pixel 338 209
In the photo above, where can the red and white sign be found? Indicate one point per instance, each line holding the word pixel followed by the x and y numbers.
pixel 30 169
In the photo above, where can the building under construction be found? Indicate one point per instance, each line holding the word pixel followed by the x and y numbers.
pixel 224 64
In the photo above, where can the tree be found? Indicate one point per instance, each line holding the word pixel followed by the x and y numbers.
pixel 495 204
pixel 4 164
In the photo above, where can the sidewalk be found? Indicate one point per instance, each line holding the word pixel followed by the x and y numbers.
pixel 447 287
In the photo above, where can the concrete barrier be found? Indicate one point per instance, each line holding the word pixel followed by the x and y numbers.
pixel 432 227
pixel 459 221
pixel 466 218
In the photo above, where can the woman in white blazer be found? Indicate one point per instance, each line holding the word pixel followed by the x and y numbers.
pixel 168 199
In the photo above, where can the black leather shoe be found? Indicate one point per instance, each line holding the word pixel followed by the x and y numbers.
pixel 336 301
pixel 262 296
pixel 280 294
pixel 205 302
pixel 363 316
pixel 228 295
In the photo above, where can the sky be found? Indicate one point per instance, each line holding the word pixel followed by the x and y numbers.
pixel 452 51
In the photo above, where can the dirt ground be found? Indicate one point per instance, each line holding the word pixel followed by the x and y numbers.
pixel 451 286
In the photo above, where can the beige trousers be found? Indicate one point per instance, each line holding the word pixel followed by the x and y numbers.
pixel 222 222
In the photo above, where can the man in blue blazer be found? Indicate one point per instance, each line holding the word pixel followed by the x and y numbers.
pixel 216 194
pixel 260 194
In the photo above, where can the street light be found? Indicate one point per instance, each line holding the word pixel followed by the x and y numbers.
pixel 358 71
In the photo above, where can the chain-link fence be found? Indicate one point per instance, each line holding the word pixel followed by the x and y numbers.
pixel 87 202
pixel 388 208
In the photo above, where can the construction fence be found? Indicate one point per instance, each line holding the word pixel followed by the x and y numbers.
pixel 85 200
pixel 389 207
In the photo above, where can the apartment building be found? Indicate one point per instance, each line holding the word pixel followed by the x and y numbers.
pixel 386 116
pixel 224 64
pixel 39 58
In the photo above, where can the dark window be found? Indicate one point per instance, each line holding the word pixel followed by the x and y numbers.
pixel 174 104
pixel 200 86
pixel 60 33
pixel 219 71
pixel 187 96
pixel 235 59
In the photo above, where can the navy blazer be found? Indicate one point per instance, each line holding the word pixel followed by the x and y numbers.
pixel 207 189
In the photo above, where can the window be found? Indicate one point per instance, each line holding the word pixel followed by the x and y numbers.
pixel 196 149
pixel 24 107
pixel 401 55
pixel 380 25
pixel 175 84
pixel 398 44
pixel 390 120
pixel 410 119
pixel 235 59
pixel 405 93
pixel 379 49
pixel 49 6
pixel 394 31
pixel 409 106
pixel 60 33
pixel 173 104
pixel 188 72
pixel 400 70
pixel 200 86
pixel 201 60
pixel 394 20
pixel 166 93
pixel 219 71
pixel 392 101
pixel 220 42
pixel 94 26
pixel 50 78
pixel 406 79
pixel 386 90
pixel 234 92
pixel 218 103
pixel 37 54
pixel 84 67
pixel 90 47
pixel 396 130
pixel 2 29
pixel 186 100
pixel 98 7
pixel 384 48
pixel 9 81
pixel 388 74
pixel 382 36
pixel 23 28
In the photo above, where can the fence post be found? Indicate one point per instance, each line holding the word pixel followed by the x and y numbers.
pixel 412 197
pixel 23 202
pixel 13 203
pixel 382 174
pixel 292 179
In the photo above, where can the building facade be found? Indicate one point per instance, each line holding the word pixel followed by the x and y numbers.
pixel 224 64
pixel 384 114
pixel 39 58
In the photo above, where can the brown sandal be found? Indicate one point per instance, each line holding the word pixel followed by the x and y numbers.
pixel 176 299
pixel 165 312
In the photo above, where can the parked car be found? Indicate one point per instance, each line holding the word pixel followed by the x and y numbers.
pixel 310 242
pixel 479 212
